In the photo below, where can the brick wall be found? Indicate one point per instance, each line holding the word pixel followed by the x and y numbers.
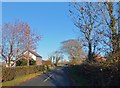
pixel 38 61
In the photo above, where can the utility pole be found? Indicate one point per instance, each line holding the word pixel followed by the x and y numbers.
pixel 119 25
pixel 28 46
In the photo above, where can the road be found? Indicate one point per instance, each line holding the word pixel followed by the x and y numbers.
pixel 57 77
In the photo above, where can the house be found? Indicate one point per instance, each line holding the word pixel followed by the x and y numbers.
pixel 25 55
pixel 99 58
pixel 32 55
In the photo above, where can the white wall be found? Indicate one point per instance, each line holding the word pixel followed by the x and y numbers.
pixel 11 62
pixel 32 56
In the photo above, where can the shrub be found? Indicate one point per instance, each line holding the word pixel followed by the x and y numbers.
pixel 32 62
pixel 11 73
pixel 23 62
pixel 7 74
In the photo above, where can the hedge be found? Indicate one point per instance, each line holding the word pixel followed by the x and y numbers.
pixel 98 75
pixel 13 72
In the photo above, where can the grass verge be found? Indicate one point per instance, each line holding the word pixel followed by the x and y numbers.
pixel 20 79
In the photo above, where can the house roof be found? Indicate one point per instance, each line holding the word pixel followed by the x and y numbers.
pixel 36 54
pixel 99 57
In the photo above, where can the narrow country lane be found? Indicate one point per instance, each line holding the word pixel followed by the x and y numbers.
pixel 57 77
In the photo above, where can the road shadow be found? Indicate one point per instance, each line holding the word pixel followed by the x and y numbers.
pixel 60 78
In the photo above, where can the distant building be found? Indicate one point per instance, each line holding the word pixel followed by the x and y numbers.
pixel 12 64
pixel 32 55
pixel 99 58
pixel 24 55
pixel 44 62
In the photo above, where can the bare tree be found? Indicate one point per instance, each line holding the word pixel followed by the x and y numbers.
pixel 73 48
pixel 14 41
pixel 109 11
pixel 85 16
pixel 56 57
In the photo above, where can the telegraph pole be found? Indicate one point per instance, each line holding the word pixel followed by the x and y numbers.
pixel 28 59
pixel 118 36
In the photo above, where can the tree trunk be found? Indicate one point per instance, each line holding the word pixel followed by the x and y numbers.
pixel 114 37
pixel 8 62
pixel 89 51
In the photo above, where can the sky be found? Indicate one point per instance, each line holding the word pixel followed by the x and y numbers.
pixel 51 20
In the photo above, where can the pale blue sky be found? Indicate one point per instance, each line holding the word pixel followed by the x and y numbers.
pixel 50 19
